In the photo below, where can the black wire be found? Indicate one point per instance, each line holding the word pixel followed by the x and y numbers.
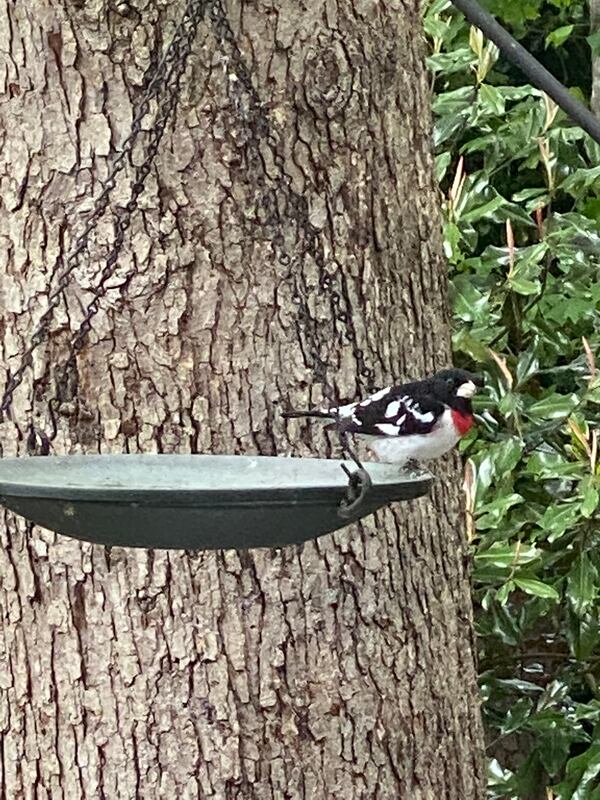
pixel 530 66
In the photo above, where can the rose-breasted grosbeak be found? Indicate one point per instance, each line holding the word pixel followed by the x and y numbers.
pixel 411 422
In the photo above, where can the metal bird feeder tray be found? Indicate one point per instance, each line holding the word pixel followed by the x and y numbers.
pixel 194 501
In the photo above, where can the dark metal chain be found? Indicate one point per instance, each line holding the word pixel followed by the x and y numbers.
pixel 259 130
pixel 177 61
pixel 166 77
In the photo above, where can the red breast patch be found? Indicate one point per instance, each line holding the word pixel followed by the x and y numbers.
pixel 462 422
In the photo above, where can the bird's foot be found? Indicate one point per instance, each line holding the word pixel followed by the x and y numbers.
pixel 412 465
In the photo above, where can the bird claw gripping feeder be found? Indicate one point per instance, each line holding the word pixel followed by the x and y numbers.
pixel 192 501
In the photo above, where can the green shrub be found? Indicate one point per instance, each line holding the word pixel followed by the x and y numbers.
pixel 521 199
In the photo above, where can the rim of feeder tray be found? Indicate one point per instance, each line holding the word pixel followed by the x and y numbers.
pixel 195 502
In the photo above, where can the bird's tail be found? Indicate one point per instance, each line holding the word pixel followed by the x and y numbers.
pixel 315 412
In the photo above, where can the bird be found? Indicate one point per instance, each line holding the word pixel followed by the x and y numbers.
pixel 409 423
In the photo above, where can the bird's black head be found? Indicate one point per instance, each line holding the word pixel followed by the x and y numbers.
pixel 456 387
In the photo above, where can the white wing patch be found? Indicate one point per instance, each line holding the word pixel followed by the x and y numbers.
pixel 378 395
pixel 349 409
pixel 413 408
pixel 374 397
pixel 387 428
pixel 393 409
pixel 426 417
pixel 343 411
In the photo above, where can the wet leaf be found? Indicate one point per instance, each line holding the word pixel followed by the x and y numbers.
pixel 553 406
pixel 559 35
pixel 537 588
pixel 582 584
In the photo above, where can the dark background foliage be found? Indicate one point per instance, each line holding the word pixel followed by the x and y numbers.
pixel 521 196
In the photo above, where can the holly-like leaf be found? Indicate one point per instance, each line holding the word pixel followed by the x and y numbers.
pixel 594 42
pixel 559 35
pixel 558 519
pixel 553 406
pixel 582 584
pixel 581 771
pixel 537 588
pixel 591 498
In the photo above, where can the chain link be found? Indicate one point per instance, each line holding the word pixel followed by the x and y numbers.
pixel 177 60
pixel 165 78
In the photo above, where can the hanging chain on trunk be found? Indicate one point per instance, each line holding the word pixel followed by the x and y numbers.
pixel 165 79
pixel 181 48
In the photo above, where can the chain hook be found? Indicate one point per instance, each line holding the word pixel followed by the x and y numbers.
pixel 359 486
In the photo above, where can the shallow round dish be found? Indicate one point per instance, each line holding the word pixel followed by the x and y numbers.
pixel 193 501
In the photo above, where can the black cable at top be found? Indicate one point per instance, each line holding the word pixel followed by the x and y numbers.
pixel 530 66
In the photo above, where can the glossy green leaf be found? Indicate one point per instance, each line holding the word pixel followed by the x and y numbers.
pixel 442 162
pixel 557 519
pixel 523 285
pixel 491 99
pixel 469 303
pixel 582 584
pixel 553 405
pixel 536 508
pixel 581 772
pixel 526 687
pixel 517 715
pixel 490 514
pixel 537 588
pixel 583 635
pixel 527 365
pixel 591 497
pixel 483 211
pixel 504 555
pixel 552 464
pixel 505 626
pixel 506 455
pixel 504 591
pixel 559 35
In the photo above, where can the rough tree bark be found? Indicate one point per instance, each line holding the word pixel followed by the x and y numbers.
pixel 341 669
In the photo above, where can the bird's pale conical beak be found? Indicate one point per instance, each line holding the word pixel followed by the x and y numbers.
pixel 469 388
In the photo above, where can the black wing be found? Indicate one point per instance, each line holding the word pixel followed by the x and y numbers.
pixel 392 412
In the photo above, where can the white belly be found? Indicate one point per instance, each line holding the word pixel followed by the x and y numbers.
pixel 420 447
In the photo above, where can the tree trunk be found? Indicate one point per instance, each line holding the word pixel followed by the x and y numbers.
pixel 340 669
